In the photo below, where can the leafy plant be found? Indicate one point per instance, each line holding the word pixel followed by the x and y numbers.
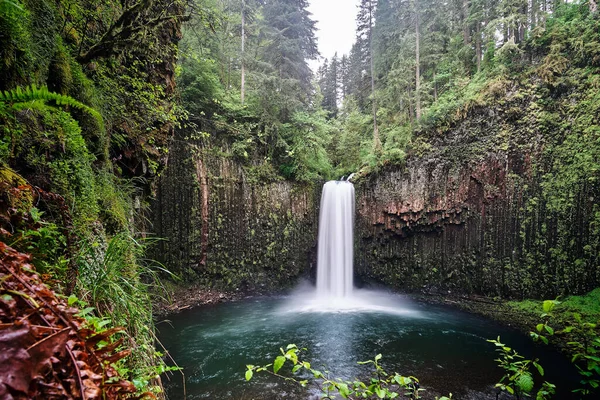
pixel 518 379
pixel 45 242
pixel 543 329
pixel 115 279
pixel 32 96
pixel 586 349
pixel 381 385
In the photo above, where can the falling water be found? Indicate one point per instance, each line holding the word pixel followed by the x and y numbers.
pixel 336 240
pixel 334 291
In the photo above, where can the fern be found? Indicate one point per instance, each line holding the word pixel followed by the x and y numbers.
pixel 32 96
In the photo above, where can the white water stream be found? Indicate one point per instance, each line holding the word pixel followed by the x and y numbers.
pixel 335 290
pixel 336 240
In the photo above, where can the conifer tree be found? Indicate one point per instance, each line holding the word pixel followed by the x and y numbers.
pixel 366 22
pixel 290 43
pixel 329 87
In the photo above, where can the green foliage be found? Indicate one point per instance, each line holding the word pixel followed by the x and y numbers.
pixel 307 135
pixel 115 280
pixel 113 196
pixel 518 379
pixel 143 375
pixel 45 242
pixel 351 147
pixel 31 97
pixel 65 126
pixel 381 385
pixel 585 347
pixel 582 336
pixel 15 44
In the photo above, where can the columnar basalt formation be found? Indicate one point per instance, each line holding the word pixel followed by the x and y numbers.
pixel 482 224
pixel 225 228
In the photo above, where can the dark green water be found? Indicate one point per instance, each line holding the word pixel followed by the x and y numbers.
pixel 445 348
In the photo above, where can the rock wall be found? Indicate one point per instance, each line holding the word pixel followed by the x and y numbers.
pixel 227 229
pixel 465 219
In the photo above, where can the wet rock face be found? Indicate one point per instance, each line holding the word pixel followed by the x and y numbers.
pixel 429 195
pixel 475 226
pixel 228 231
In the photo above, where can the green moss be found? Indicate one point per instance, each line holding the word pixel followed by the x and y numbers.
pixel 16 55
pixel 588 306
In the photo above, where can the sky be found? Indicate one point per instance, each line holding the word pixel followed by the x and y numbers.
pixel 336 26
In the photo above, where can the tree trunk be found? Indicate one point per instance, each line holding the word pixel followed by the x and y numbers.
pixel 478 44
pixel 465 18
pixel 376 139
pixel 435 91
pixel 418 64
pixel 243 83
pixel 202 176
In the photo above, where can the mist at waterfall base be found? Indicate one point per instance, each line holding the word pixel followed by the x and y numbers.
pixel 334 290
pixel 340 325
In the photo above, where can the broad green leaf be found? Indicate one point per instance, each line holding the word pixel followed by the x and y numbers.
pixel 85 311
pixel 278 363
pixel 249 374
pixel 525 382
pixel 539 368
pixel 539 327
pixel 549 329
pixel 72 300
pixel 344 390
pixel 380 392
pixel 378 357
pixel 548 305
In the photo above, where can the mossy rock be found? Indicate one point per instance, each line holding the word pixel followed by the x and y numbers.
pixel 16 193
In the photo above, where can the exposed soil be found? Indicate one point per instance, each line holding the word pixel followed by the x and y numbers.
pixel 183 298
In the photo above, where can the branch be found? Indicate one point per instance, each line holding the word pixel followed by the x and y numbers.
pixel 126 29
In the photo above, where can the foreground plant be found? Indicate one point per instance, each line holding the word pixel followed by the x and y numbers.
pixel 518 379
pixel 381 385
pixel 584 345
pixel 50 350
pixel 586 353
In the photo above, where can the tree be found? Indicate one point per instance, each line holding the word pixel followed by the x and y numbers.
pixel 131 22
pixel 290 43
pixel 243 35
pixel 417 62
pixel 329 86
pixel 366 21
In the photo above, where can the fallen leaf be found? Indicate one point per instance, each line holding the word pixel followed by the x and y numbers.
pixel 15 362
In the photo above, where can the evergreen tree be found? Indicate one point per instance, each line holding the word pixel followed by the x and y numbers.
pixel 329 87
pixel 344 77
pixel 366 22
pixel 290 43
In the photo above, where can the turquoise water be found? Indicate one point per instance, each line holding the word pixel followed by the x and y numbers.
pixel 445 348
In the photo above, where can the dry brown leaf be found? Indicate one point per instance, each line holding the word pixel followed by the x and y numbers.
pixel 15 362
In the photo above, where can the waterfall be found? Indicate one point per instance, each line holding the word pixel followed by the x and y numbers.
pixel 335 291
pixel 336 240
